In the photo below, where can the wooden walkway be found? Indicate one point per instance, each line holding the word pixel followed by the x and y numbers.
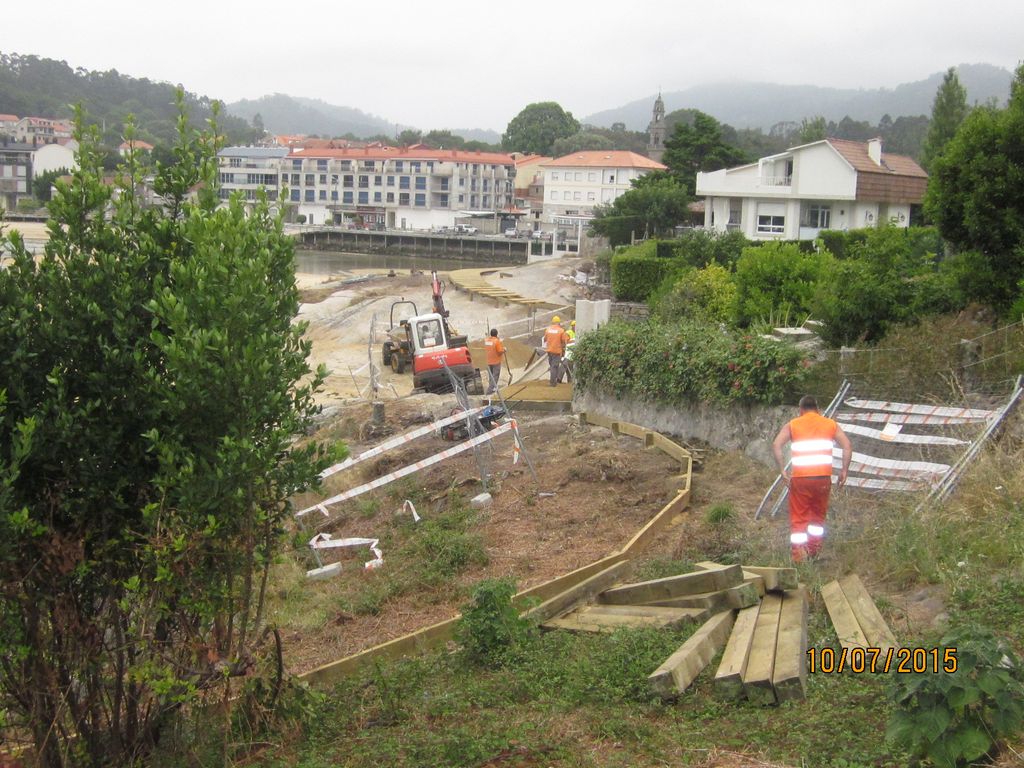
pixel 475 283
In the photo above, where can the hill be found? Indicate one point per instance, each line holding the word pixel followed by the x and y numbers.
pixel 40 87
pixel 294 114
pixel 762 105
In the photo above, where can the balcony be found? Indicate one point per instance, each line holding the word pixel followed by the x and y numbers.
pixel 777 181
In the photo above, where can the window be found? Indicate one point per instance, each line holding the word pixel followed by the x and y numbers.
pixel 346 181
pixel 310 179
pixel 346 198
pixel 444 201
pixel 462 198
pixel 421 199
pixel 323 178
pixel 399 166
pixel 414 166
pixel 296 164
pixel 364 198
pixel 591 196
pixel 368 165
pixel 295 179
pixel 334 195
pixel 403 182
pixel 579 175
pixel 391 197
pixel 376 197
pixel 295 195
pixel 462 183
pixel 321 165
pixel 577 195
pixel 227 178
pixel 364 182
pixel 591 176
pixel 421 182
pixel 376 181
pixel 334 178
pixel 772 225
pixel 391 181
pixel 472 201
pixel 817 216
pixel 567 195
pixel 403 198
pixel 235 162
pixel 310 195
pixel 430 167
pixel 223 194
pixel 554 175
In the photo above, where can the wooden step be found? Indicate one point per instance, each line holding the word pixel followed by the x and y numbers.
pixel 673 586
pixel 843 618
pixel 789 678
pixel 671 614
pixel 753 578
pixel 741 596
pixel 729 677
pixel 757 678
pixel 681 668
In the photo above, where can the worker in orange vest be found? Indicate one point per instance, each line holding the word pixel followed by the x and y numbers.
pixel 495 351
pixel 811 437
pixel 555 341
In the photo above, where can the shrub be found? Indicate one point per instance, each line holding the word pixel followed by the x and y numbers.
pixel 490 624
pixel 955 717
pixel 685 362
pixel 707 294
pixel 777 278
pixel 637 271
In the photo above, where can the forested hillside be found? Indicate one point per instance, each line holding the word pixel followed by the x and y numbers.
pixel 40 87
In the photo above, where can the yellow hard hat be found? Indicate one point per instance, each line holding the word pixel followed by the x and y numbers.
pixel 573 323
pixel 556 319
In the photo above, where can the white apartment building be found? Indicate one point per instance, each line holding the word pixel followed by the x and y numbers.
pixel 54 157
pixel 398 188
pixel 15 172
pixel 827 184
pixel 574 184
pixel 41 130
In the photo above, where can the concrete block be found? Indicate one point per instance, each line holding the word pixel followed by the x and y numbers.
pixel 326 572
pixel 481 501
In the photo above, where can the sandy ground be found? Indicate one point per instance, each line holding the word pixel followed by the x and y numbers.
pixel 342 308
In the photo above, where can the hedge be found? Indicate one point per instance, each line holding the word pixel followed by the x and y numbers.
pixel 637 271
pixel 686 362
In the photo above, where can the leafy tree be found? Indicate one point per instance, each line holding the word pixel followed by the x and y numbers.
pixel 776 280
pixel 707 294
pixel 257 125
pixel 43 182
pixel 813 129
pixel 948 111
pixel 699 147
pixel 578 142
pixel 655 204
pixel 408 137
pixel 537 127
pixel 976 195
pixel 151 384
pixel 443 139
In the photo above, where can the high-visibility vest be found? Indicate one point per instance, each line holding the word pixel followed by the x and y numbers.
pixel 813 437
pixel 555 339
pixel 571 334
pixel 494 350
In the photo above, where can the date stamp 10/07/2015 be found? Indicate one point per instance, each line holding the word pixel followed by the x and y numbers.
pixel 874 660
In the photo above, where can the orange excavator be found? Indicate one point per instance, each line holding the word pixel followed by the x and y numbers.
pixel 429 345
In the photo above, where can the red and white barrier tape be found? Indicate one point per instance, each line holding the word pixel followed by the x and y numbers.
pixel 411 468
pixel 876 484
pixel 394 442
pixel 903 418
pixel 893 434
pixel 972 414
pixel 324 541
pixel 872 465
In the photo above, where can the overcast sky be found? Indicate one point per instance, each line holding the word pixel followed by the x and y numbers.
pixel 460 64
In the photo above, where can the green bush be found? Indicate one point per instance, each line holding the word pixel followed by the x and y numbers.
pixel 707 294
pixel 777 278
pixel 490 625
pixel 685 362
pixel 956 716
pixel 637 271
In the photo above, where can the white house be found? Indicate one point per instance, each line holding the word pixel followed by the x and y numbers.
pixel 54 157
pixel 575 184
pixel 827 184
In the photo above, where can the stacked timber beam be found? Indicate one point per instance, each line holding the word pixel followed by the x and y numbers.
pixel 855 616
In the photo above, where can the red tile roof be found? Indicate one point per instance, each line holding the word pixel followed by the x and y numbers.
pixel 856 154
pixel 532 159
pixel 402 153
pixel 139 144
pixel 601 158
pixel 9 118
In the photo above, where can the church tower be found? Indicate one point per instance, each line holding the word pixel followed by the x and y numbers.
pixel 656 132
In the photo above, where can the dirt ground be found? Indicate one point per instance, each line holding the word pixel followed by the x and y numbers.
pixel 603 489
pixel 341 309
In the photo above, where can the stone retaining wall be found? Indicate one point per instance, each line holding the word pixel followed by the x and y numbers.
pixel 630 311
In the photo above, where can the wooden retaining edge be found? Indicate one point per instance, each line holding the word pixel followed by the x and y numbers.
pixel 440 633
pixel 651 438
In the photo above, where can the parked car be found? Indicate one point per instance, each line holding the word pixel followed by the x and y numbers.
pixel 512 232
pixel 466 230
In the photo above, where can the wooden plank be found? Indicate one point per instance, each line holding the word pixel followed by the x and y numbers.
pixel 685 614
pixel 673 586
pixel 580 593
pixel 843 618
pixel 871 622
pixel 775 579
pixel 741 596
pixel 789 678
pixel 658 618
pixel 681 668
pixel 757 678
pixel 748 576
pixel 596 419
pixel 633 430
pixel 729 677
pixel 669 447
pixel 657 524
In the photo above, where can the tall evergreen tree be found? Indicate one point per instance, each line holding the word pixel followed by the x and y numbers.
pixel 699 146
pixel 948 111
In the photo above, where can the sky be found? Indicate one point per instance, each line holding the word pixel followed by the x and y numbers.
pixel 460 64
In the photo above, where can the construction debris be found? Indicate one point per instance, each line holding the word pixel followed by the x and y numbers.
pixel 481 501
